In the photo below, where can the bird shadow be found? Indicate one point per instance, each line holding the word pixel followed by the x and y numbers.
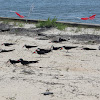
pixel 67 55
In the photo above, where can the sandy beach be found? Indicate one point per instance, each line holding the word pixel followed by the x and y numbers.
pixel 72 75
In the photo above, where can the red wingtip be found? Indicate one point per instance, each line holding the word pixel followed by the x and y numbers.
pixel 85 18
pixel 20 15
pixel 91 18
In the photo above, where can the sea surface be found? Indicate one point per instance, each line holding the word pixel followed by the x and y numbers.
pixel 63 10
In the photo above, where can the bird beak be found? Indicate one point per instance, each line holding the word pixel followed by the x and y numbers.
pixel 61 48
pixel 7 61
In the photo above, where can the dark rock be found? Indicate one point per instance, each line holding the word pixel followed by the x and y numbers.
pixel 5 27
pixel 47 93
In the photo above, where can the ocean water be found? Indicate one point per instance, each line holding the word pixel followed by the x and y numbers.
pixel 63 10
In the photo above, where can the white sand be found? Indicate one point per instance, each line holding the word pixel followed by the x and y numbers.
pixel 73 31
pixel 70 76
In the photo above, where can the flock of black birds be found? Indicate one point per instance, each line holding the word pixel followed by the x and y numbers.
pixel 39 51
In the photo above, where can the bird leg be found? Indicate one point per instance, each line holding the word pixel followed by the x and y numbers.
pixel 67 51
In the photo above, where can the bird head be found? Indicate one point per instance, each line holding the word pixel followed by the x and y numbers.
pixel 8 61
pixel 52 47
pixel 61 48
pixel 59 38
pixel 35 51
pixel 38 49
pixel 24 45
pixel 20 59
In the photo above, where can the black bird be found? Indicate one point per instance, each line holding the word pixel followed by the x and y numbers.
pixel 40 52
pixel 7 44
pixel 88 48
pixel 13 61
pixel 55 41
pixel 29 46
pixel 69 47
pixel 24 62
pixel 6 50
pixel 55 48
pixel 61 39
pixel 43 50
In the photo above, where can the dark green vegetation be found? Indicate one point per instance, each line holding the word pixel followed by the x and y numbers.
pixel 51 23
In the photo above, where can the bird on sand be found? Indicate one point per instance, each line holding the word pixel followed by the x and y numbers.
pixel 1 50
pixel 25 62
pixel 62 39
pixel 86 48
pixel 7 44
pixel 42 51
pixel 13 61
pixel 69 47
pixel 59 40
pixel 55 48
pixel 29 46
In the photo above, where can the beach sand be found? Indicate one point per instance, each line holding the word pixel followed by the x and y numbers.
pixel 67 76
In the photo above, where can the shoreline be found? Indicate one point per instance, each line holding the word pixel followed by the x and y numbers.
pixel 73 24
